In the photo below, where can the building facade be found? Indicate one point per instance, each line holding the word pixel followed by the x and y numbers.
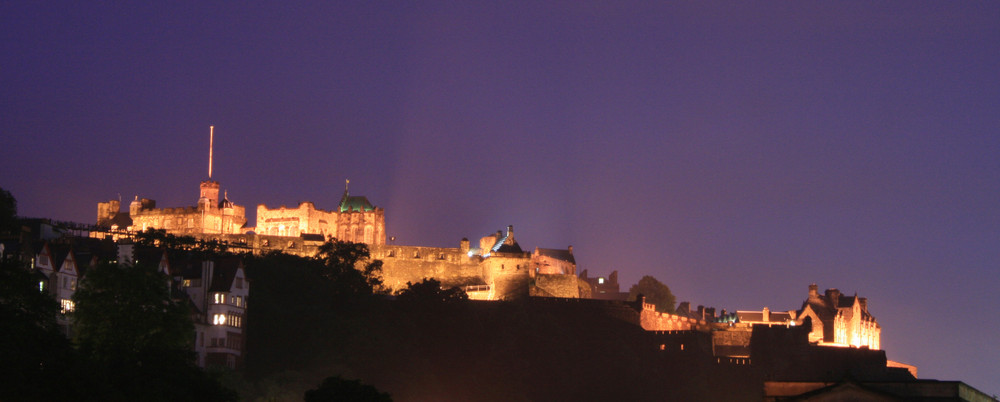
pixel 355 220
pixel 210 216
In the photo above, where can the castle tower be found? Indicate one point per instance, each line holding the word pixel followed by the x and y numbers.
pixel 209 195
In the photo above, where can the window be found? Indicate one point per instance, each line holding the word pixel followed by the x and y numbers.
pixel 67 306
pixel 186 283
pixel 72 284
pixel 220 298
pixel 600 281
pixel 239 283
pixel 219 319
pixel 41 286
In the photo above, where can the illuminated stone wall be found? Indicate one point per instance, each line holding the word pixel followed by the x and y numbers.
pixel 450 266
pixel 565 286
pixel 355 226
pixel 209 216
pixel 651 320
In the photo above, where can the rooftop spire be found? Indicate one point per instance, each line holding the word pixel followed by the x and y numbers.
pixel 347 184
pixel 211 138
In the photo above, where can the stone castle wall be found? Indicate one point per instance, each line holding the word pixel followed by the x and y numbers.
pixel 651 320
pixel 450 266
pixel 565 286
pixel 355 226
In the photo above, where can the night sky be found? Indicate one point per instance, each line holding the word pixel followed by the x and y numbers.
pixel 736 152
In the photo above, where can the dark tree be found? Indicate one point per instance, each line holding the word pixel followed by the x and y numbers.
pixel 655 292
pixel 127 323
pixel 122 312
pixel 8 212
pixel 36 358
pixel 429 291
pixel 349 267
pixel 337 389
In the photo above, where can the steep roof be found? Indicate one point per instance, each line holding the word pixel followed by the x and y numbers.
pixel 224 273
pixel 564 255
pixel 349 203
pixel 122 219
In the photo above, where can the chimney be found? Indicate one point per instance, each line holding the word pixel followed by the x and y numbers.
pixel 464 245
pixel 864 303
pixel 701 312
pixel 570 250
pixel 510 230
pixel 766 315
pixel 833 296
pixel 710 314
pixel 813 291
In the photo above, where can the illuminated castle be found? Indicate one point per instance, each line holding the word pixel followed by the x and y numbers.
pixel 840 320
pixel 836 319
pixel 355 220
pixel 210 216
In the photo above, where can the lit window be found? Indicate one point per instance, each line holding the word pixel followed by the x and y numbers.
pixel 219 319
pixel 220 298
pixel 600 281
pixel 41 286
pixel 67 305
pixel 187 283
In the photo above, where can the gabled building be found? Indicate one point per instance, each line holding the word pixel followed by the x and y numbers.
pixel 216 291
pixel 839 320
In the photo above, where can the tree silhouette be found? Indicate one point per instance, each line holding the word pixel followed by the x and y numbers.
pixel 429 291
pixel 337 389
pixel 127 323
pixel 655 292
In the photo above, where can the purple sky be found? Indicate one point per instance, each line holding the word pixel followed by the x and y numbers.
pixel 737 153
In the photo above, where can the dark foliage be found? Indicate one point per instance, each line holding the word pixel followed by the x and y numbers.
pixel 198 248
pixel 301 304
pixel 37 360
pixel 655 292
pixel 138 338
pixel 429 292
pixel 8 212
pixel 348 267
pixel 337 389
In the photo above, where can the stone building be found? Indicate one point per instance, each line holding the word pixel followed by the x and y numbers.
pixel 217 290
pixel 355 220
pixel 604 288
pixel 210 216
pixel 836 320
pixel 497 269
pixel 839 320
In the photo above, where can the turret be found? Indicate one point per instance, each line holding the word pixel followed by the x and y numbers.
pixel 210 192
pixel 134 207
